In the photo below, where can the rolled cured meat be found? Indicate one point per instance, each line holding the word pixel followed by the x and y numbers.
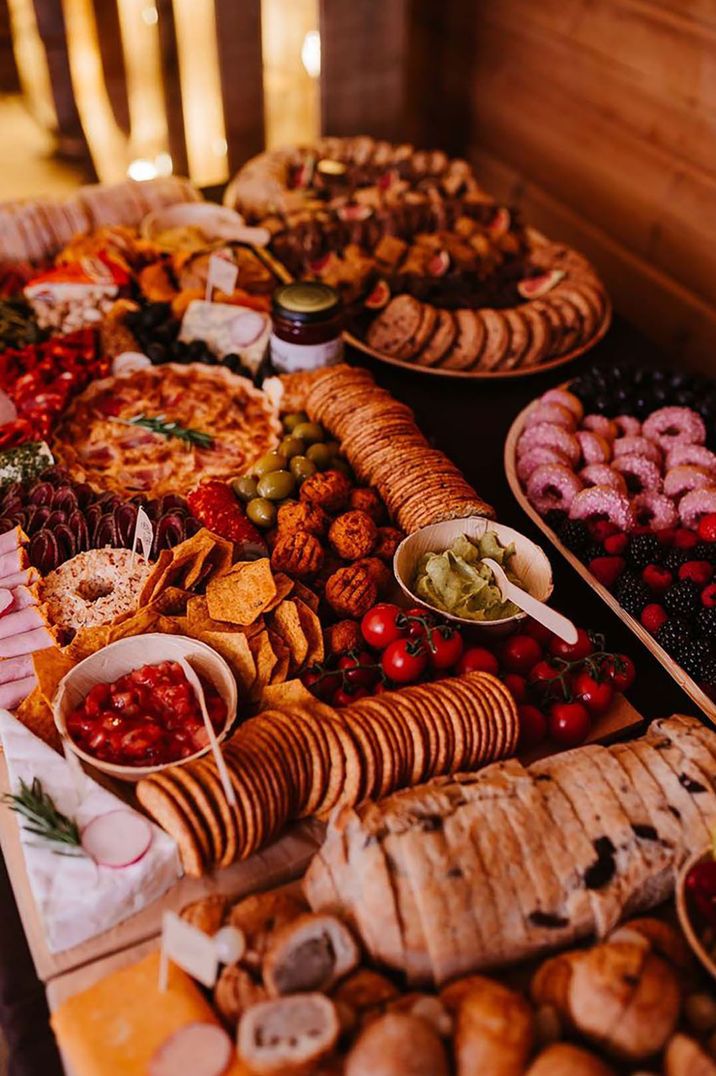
pixel 12 540
pixel 20 579
pixel 26 643
pixel 23 620
pixel 12 694
pixel 12 561
pixel 15 668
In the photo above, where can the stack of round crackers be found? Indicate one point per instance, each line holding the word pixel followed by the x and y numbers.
pixel 418 484
pixel 300 757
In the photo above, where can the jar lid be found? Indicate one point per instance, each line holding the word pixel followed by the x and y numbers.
pixel 306 301
pixel 328 167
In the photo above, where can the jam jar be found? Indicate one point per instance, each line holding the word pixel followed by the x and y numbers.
pixel 307 323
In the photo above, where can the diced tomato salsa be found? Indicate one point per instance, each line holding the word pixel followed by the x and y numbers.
pixel 148 717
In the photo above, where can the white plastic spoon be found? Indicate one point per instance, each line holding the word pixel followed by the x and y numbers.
pixel 560 625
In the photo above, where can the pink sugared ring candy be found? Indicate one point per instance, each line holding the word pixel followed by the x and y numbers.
pixel 564 399
pixel 595 448
pixel 627 426
pixel 698 455
pixel 600 424
pixel 553 413
pixel 601 474
pixel 536 457
pixel 674 426
pixel 637 446
pixel 544 433
pixel 600 502
pixel 697 503
pixel 640 474
pixel 654 510
pixel 682 479
pixel 552 486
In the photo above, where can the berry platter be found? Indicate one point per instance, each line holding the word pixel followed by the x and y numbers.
pixel 625 490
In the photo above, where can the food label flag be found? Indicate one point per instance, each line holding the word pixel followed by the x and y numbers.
pixel 222 275
pixel 190 948
pixel 143 534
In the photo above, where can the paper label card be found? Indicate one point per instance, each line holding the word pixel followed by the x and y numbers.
pixel 143 534
pixel 222 275
pixel 188 947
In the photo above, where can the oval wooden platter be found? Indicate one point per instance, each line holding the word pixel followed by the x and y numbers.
pixel 682 678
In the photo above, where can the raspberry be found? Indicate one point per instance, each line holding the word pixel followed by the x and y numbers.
pixel 615 544
pixel 602 528
pixel 684 539
pixel 653 616
pixel 708 596
pixel 607 569
pixel 699 571
pixel 681 598
pixel 707 527
pixel 657 579
pixel 666 535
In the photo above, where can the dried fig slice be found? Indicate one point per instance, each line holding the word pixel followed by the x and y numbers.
pixel 78 525
pixel 55 518
pixel 43 551
pixel 66 542
pixel 37 519
pixel 56 476
pixel 64 500
pixel 6 524
pixel 105 533
pixel 125 520
pixel 41 493
pixel 168 532
pixel 192 526
pixel 14 492
pixel 92 515
pixel 171 501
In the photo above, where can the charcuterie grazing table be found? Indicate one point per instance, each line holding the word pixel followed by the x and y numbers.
pixel 469 422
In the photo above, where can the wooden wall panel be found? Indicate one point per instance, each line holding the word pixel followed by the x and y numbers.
pixel 238 28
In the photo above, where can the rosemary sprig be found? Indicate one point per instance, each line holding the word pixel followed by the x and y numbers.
pixel 158 424
pixel 38 808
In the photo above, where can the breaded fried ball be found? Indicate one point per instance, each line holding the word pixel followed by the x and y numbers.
pixel 302 516
pixel 389 538
pixel 351 591
pixel 353 535
pixel 379 572
pixel 297 553
pixel 367 500
pixel 327 489
pixel 343 636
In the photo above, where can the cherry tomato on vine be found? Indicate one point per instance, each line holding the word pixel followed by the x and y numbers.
pixel 572 651
pixel 381 625
pixel 520 653
pixel 359 669
pixel 537 631
pixel 404 661
pixel 597 695
pixel 419 620
pixel 620 670
pixel 321 684
pixel 346 695
pixel 477 659
pixel 445 648
pixel 533 725
pixel 516 685
pixel 542 673
pixel 569 723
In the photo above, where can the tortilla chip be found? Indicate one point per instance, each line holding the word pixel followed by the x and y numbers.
pixel 284 586
pixel 140 623
pixel 311 626
pixel 34 713
pixel 50 666
pixel 154 583
pixel 88 641
pixel 172 601
pixel 266 660
pixel 241 596
pixel 307 596
pixel 287 696
pixel 234 647
pixel 287 622
pixel 283 657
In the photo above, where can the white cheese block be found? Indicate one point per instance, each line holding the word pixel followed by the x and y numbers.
pixel 228 330
pixel 76 898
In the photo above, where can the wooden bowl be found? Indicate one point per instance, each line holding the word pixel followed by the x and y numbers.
pixel 682 909
pixel 118 658
pixel 529 563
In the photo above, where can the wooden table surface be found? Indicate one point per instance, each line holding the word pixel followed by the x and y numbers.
pixel 468 421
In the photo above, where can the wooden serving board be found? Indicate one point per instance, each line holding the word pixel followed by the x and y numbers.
pixel 682 678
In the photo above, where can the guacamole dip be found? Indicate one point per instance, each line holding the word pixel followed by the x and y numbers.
pixel 457 581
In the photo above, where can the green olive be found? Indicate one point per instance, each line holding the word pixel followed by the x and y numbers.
pixel 276 485
pixel 310 432
pixel 342 466
pixel 272 461
pixel 244 487
pixel 292 446
pixel 261 512
pixel 302 468
pixel 291 421
pixel 320 455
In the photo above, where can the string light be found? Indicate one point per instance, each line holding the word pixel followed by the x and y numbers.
pixel 311 53
pixel 142 169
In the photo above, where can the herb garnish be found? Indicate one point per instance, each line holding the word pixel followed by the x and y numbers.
pixel 158 424
pixel 37 807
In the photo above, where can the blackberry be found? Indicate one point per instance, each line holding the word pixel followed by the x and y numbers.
pixel 706 623
pixel 675 636
pixel 675 558
pixel 632 593
pixel 590 551
pixel 555 518
pixel 644 549
pixel 708 673
pixel 575 535
pixel 704 551
pixel 682 598
pixel 695 658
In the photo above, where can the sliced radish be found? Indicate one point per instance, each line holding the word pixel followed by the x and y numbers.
pixel 117 839
pixel 199 1049
pixel 8 411
pixel 6 599
pixel 247 327
pixel 129 361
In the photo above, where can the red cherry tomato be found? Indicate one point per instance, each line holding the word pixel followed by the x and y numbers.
pixel 516 685
pixel 701 888
pixel 359 670
pixel 322 685
pixel 445 648
pixel 572 651
pixel 345 696
pixel 418 619
pixel 542 673
pixel 404 661
pixel 520 653
pixel 538 631
pixel 381 625
pixel 533 726
pixel 569 723
pixel 597 695
pixel 620 670
pixel 477 659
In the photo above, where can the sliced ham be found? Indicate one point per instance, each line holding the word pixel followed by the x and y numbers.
pixel 6 600
pixel 15 668
pixel 20 579
pixel 24 620
pixel 12 694
pixel 12 540
pixel 15 560
pixel 26 643
pixel 21 597
pixel 8 411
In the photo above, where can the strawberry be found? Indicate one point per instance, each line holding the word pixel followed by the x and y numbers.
pixel 607 569
pixel 708 596
pixel 615 544
pixel 684 539
pixel 666 535
pixel 707 527
pixel 641 529
pixel 656 578
pixel 601 529
pixel 653 616
pixel 698 570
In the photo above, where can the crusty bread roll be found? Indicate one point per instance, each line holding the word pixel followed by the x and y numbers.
pixel 684 1057
pixel 236 991
pixel 494 1032
pixel 397 1045
pixel 287 1034
pixel 365 993
pixel 659 936
pixel 311 953
pixel 259 915
pixel 562 1059
pixel 206 914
